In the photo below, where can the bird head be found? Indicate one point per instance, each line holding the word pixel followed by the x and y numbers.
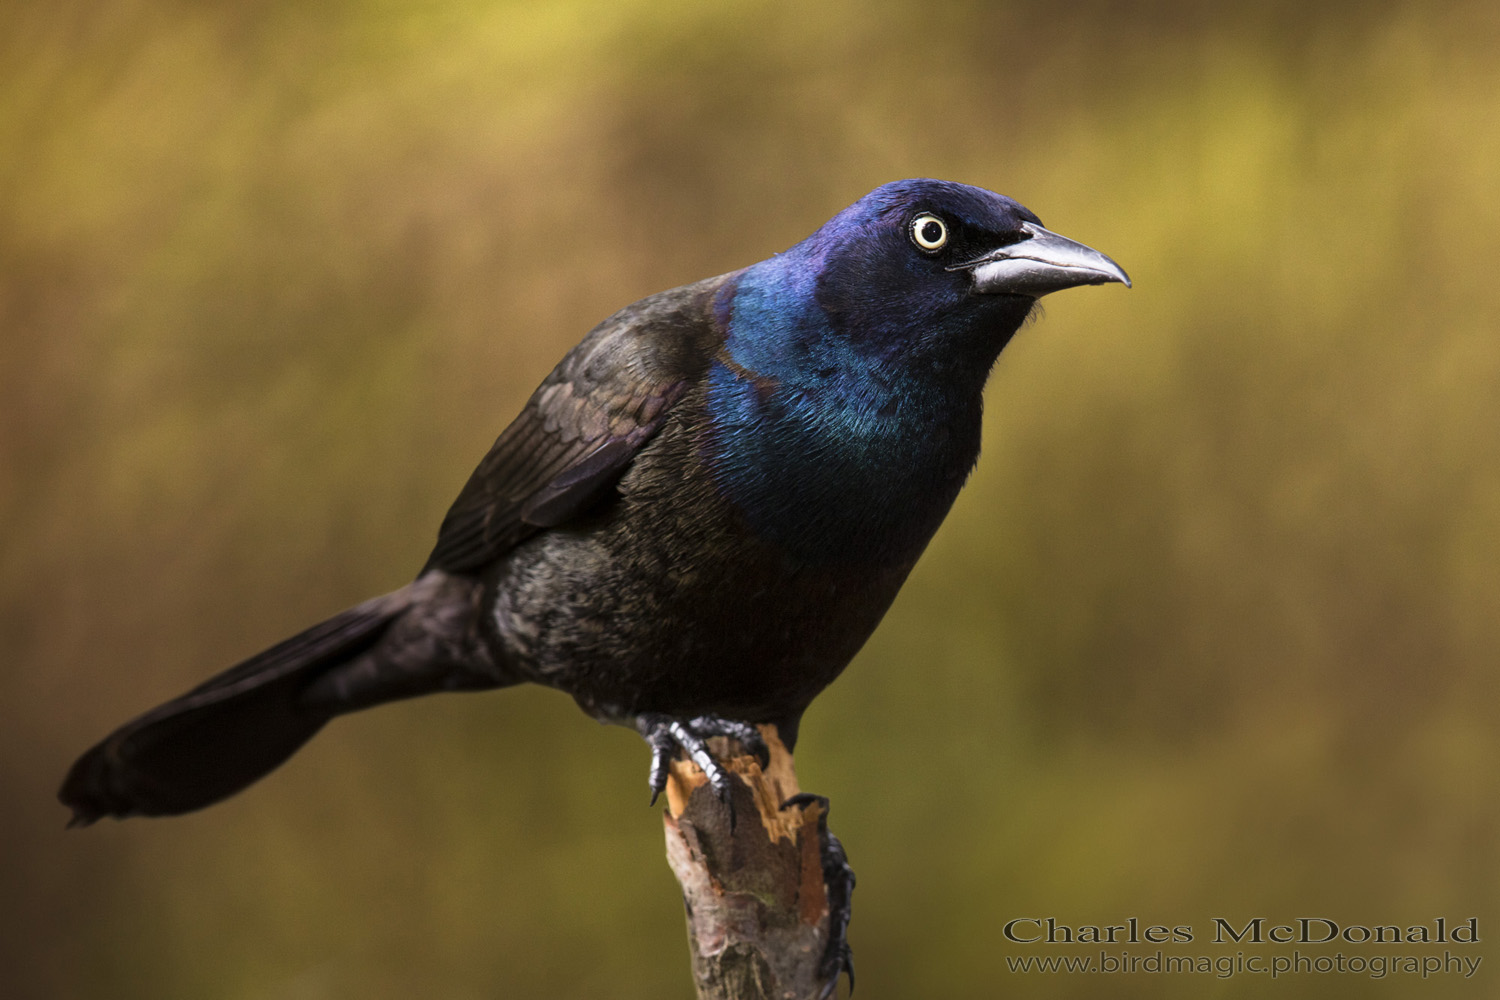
pixel 918 274
pixel 965 239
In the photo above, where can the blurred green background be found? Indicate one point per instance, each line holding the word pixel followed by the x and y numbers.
pixel 1214 630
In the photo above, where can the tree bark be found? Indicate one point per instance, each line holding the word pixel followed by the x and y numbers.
pixel 752 878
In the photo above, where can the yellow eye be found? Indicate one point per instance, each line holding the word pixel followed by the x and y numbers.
pixel 929 232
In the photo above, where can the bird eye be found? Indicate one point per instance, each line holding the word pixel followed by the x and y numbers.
pixel 929 232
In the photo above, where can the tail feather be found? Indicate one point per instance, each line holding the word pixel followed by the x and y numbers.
pixel 225 733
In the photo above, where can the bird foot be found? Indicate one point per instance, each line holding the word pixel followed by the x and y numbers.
pixel 838 880
pixel 665 734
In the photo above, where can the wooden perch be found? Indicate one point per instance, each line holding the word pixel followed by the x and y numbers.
pixel 758 909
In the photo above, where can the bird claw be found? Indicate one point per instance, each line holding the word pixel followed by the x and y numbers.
pixel 665 734
pixel 838 878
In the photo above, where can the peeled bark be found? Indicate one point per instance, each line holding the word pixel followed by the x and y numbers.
pixel 752 879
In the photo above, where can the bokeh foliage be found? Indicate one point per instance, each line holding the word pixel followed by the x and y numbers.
pixel 1214 631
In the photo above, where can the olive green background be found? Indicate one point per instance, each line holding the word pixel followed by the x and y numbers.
pixel 1213 631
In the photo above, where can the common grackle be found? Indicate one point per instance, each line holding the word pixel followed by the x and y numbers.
pixel 695 522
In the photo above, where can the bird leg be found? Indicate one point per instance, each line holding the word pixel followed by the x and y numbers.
pixel 838 878
pixel 665 735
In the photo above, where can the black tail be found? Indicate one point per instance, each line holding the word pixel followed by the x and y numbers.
pixel 227 732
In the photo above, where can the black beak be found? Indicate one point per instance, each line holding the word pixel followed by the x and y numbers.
pixel 1046 262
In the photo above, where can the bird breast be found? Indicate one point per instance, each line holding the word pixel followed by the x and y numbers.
pixel 838 476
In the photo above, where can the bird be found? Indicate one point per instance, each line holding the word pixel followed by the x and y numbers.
pixel 696 521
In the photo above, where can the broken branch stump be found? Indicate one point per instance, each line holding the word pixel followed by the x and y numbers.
pixel 758 912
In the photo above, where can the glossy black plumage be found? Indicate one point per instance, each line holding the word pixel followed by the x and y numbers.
pixel 703 511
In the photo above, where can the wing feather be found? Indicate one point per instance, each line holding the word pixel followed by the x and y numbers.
pixel 582 427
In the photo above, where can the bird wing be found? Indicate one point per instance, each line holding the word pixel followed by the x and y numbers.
pixel 580 429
